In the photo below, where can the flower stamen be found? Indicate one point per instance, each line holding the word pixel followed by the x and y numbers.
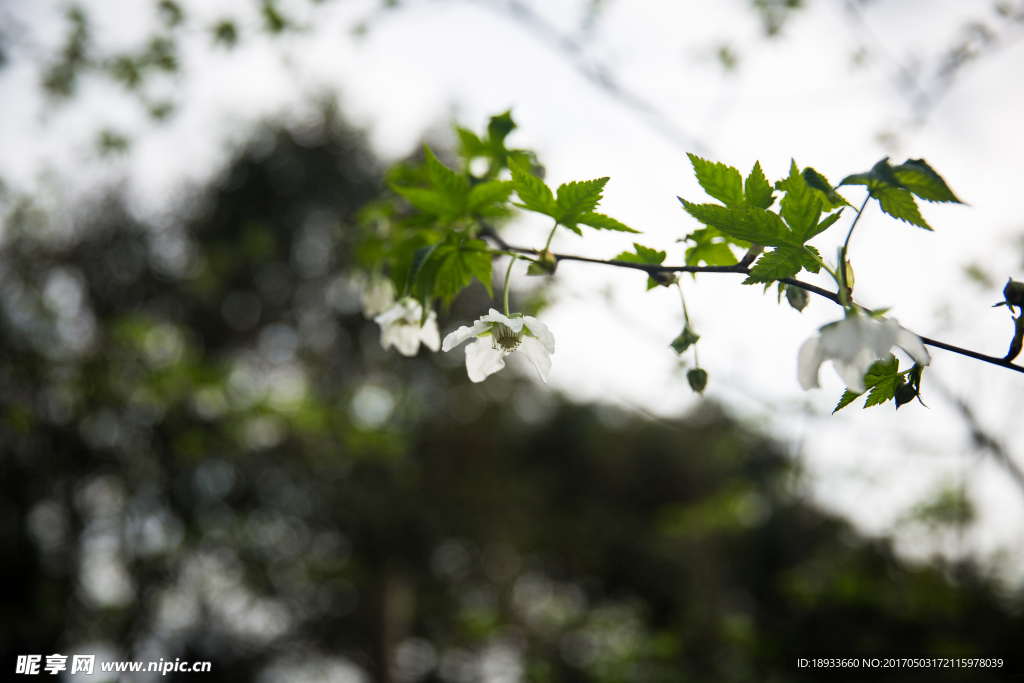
pixel 505 337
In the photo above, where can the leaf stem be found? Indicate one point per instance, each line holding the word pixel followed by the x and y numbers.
pixel 508 275
pixel 686 318
pixel 853 225
pixel 843 294
pixel 822 264
pixel 547 246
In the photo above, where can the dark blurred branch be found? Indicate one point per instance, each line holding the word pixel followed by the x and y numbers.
pixel 739 269
pixel 598 74
pixel 982 439
pixel 979 42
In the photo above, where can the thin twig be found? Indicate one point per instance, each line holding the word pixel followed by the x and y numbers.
pixel 599 75
pixel 981 437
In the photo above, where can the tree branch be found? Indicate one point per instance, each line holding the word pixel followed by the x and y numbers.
pixel 982 438
pixel 739 269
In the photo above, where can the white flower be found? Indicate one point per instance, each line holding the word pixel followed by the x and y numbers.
pixel 378 297
pixel 853 344
pixel 400 327
pixel 499 336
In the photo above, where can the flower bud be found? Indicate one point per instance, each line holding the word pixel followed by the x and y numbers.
pixel 905 394
pixel 910 388
pixel 1013 293
pixel 664 279
pixel 797 298
pixel 545 264
pixel 698 379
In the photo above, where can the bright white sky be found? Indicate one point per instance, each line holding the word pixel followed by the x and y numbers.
pixel 799 96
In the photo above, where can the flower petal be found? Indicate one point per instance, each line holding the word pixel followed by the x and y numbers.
pixel 809 360
pixel 463 333
pixel 535 350
pixel 429 334
pixel 881 336
pixel 541 331
pixel 407 309
pixel 515 324
pixel 846 338
pixel 912 344
pixel 378 297
pixel 404 337
pixel 852 371
pixel 482 360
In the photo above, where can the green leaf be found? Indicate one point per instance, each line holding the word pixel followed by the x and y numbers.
pixel 479 262
pixel 749 224
pixel 452 265
pixel 524 158
pixel 810 263
pixel 643 254
pixel 847 398
pixel 470 145
pixel 577 198
pixel 428 201
pixel 646 256
pixel 722 182
pixel 921 179
pixel 488 193
pixel 401 250
pixel 885 184
pixel 885 390
pixel 830 199
pixel 781 263
pixel 602 222
pixel 712 247
pixel 899 203
pixel 447 182
pixel 881 174
pixel 499 127
pixel 801 209
pixel 685 340
pixel 823 225
pixel 712 254
pixel 883 379
pixel 652 256
pixel 419 257
pixel 534 194
pixel 757 191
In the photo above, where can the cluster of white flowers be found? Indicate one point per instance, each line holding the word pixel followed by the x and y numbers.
pixel 404 326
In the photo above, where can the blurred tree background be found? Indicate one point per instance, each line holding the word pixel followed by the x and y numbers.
pixel 206 455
